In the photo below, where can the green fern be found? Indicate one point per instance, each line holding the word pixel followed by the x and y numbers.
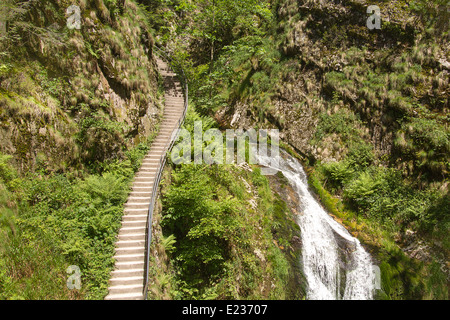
pixel 169 243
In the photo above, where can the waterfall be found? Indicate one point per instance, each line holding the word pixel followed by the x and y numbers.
pixel 335 264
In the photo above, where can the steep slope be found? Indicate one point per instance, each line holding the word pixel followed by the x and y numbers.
pixel 78 109
pixel 72 97
pixel 366 109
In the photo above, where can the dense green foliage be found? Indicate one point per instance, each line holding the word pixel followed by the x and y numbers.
pixel 50 222
pixel 371 107
pixel 84 93
pixel 223 222
pixel 401 276
pixel 78 109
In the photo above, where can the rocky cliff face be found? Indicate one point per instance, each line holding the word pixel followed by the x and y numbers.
pixel 373 99
pixel 333 63
pixel 71 97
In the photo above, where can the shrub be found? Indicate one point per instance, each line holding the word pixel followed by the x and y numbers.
pixel 427 143
pixel 360 190
pixel 342 122
pixel 7 173
pixel 360 154
pixel 337 173
pixel 217 231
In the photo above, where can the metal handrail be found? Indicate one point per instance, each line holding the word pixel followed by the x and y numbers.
pixel 163 159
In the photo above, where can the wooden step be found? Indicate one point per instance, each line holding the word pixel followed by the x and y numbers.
pixel 126 289
pixel 130 250
pixel 132 237
pixel 143 189
pixel 130 243
pixel 137 205
pixel 132 231
pixel 117 281
pixel 135 199
pixel 127 265
pixel 140 195
pixel 135 217
pixel 126 296
pixel 147 171
pixel 135 223
pixel 143 179
pixel 138 257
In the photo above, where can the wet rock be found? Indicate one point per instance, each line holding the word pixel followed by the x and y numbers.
pixel 296 242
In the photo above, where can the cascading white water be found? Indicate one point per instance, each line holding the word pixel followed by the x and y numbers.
pixel 330 255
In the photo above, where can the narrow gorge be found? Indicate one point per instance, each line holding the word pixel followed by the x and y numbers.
pixel 357 94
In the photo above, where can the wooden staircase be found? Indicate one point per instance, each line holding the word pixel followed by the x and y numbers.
pixel 127 280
